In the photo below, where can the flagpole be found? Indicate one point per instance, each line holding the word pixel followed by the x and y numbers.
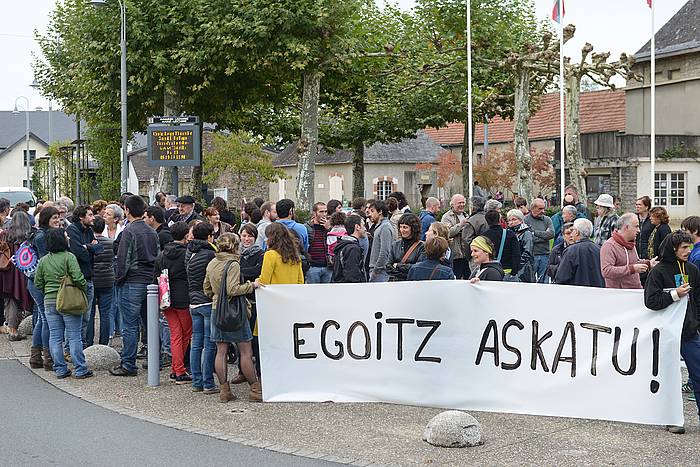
pixel 562 151
pixel 470 129
pixel 653 104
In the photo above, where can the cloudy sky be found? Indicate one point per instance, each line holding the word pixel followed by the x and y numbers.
pixel 613 25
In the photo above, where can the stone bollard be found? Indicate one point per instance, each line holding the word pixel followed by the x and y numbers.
pixel 101 357
pixel 25 327
pixel 153 336
pixel 453 429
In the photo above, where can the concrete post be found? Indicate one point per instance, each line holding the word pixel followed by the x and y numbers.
pixel 153 336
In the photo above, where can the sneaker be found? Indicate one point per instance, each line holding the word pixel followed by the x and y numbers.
pixel 143 353
pixel 173 377
pixel 691 397
pixel 676 430
pixel 86 375
pixel 183 379
pixel 121 371
pixel 213 390
pixel 14 337
pixel 197 389
pixel 64 375
pixel 687 387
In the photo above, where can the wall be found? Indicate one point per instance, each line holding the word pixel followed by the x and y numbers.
pixel 12 169
pixel 322 181
pixel 688 166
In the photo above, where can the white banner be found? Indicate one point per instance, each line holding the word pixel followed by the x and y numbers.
pixel 502 347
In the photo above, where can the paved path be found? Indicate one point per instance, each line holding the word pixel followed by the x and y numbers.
pixel 44 426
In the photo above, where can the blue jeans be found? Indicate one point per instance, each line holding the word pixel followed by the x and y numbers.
pixel 203 350
pixel 116 321
pixel 104 298
pixel 89 317
pixel 541 262
pixel 132 299
pixel 690 351
pixel 378 276
pixel 319 275
pixel 164 336
pixel 70 325
pixel 40 332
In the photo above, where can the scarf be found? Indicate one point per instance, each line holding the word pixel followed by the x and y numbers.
pixel 619 239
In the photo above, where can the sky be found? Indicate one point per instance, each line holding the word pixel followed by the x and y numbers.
pixel 610 25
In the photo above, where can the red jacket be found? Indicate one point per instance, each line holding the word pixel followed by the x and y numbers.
pixel 617 264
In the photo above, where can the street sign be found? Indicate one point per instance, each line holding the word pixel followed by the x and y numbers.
pixel 174 141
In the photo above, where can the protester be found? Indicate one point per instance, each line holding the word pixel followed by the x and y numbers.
pixel 13 283
pixel 505 244
pixel 155 219
pixel 455 219
pixel 4 213
pixel 432 267
pixel 359 207
pixel 566 215
pixel 114 215
pixel 691 225
pixel 57 263
pixel 429 215
pixel 407 250
pixel 185 211
pixel 214 218
pixel 269 215
pixel 606 219
pixel 200 252
pixel 348 265
pixel 659 221
pixel 619 263
pixel 382 242
pixel 521 205
pixel 98 208
pixel 337 231
pixel 103 280
pixel 285 216
pixel 580 205
pixel 317 231
pixel 558 250
pixel 642 207
pixel 282 262
pixel 247 213
pixel 486 268
pixel 132 274
pixel 438 229
pixel 580 263
pixel 228 260
pixel 542 233
pixel 225 215
pixel 669 281
pixel 526 272
pixel 333 206
pixel 394 214
pixel 65 206
pixel 403 202
pixel 170 207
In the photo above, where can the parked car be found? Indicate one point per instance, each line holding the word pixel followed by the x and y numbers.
pixel 18 194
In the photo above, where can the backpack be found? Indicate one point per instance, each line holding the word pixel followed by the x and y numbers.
pixel 26 259
pixel 5 252
pixel 331 242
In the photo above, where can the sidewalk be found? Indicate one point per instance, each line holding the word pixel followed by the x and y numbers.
pixel 385 433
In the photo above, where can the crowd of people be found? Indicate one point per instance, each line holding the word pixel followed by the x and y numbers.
pixel 113 250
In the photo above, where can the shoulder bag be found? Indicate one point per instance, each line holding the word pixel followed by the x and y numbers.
pixel 229 314
pixel 71 299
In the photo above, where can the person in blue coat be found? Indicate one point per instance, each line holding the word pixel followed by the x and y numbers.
pixel 432 268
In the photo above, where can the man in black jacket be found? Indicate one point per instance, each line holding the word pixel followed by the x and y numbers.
pixel 580 262
pixel 136 256
pixel 510 254
pixel 155 218
pixel 348 264
pixel 185 211
pixel 84 246
pixel 673 278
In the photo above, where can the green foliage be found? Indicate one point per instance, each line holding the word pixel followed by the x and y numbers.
pixel 104 145
pixel 680 150
pixel 238 155
pixel 40 179
pixel 63 168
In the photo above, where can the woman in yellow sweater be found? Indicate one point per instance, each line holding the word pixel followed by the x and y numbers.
pixel 282 261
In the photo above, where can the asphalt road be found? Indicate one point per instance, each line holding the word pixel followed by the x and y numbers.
pixel 43 426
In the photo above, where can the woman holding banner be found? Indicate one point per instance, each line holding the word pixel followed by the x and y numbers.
pixel 482 254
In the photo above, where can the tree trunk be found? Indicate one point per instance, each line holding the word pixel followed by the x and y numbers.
pixel 574 158
pixel 171 107
pixel 523 158
pixel 358 171
pixel 308 144
pixel 465 160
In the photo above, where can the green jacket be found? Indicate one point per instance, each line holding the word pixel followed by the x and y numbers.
pixel 51 270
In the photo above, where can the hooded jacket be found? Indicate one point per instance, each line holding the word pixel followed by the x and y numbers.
pixel 173 259
pixel 491 271
pixel 199 254
pixel 661 281
pixel 349 263
pixel 527 259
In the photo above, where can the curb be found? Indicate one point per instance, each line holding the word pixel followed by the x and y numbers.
pixel 22 355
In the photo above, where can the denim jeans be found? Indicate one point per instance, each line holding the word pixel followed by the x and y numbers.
pixel 116 321
pixel 690 351
pixel 40 332
pixel 104 298
pixel 164 328
pixel 203 350
pixel 541 262
pixel 378 276
pixel 132 299
pixel 70 325
pixel 319 275
pixel 89 317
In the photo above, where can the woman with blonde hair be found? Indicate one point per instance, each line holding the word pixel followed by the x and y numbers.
pixel 227 260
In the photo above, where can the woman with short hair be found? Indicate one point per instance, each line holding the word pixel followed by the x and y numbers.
pixel 432 267
pixel 659 219
pixel 214 218
pixel 407 250
pixel 113 216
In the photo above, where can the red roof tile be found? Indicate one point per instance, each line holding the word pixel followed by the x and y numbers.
pixel 600 111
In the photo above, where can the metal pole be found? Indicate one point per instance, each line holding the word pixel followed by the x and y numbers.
pixel 652 153
pixel 124 157
pixel 52 184
pixel 153 336
pixel 470 119
pixel 29 179
pixel 176 182
pixel 562 149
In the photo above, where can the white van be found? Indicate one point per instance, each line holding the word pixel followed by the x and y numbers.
pixel 18 194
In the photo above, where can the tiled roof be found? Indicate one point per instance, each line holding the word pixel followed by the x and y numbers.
pixel 681 33
pixel 600 111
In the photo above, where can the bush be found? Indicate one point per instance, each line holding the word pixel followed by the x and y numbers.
pixel 302 216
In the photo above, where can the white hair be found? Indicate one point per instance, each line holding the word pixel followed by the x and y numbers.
pixel 66 203
pixel 515 213
pixel 118 211
pixel 570 209
pixel 584 227
pixel 457 196
pixel 493 205
pixel 625 220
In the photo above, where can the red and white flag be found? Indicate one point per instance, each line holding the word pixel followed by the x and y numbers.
pixel 555 10
pixel 649 3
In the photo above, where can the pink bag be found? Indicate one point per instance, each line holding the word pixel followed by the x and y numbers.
pixel 163 290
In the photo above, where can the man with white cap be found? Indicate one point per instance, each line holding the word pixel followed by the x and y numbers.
pixel 606 219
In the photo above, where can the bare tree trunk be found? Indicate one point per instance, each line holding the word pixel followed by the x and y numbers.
pixel 358 170
pixel 308 144
pixel 523 158
pixel 171 106
pixel 574 158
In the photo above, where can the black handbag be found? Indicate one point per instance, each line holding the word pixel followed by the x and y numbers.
pixel 229 314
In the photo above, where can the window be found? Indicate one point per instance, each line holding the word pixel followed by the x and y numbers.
pixel 281 188
pixel 597 184
pixel 32 157
pixel 669 189
pixel 384 189
pixel 335 187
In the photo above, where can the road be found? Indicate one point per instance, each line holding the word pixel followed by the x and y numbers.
pixel 43 426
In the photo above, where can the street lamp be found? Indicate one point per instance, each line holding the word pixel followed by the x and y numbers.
pixel 52 192
pixel 124 158
pixel 27 159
